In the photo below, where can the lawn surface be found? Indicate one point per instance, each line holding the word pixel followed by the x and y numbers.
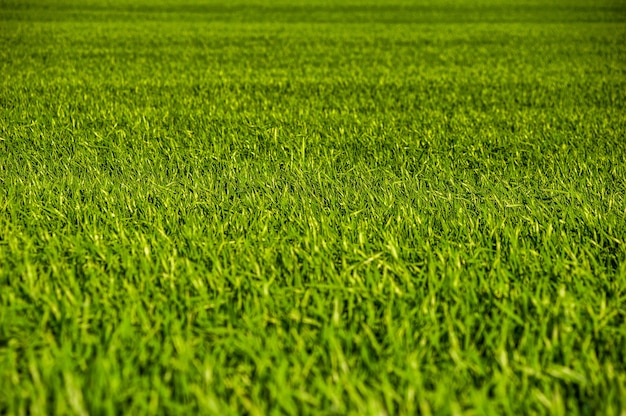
pixel 310 206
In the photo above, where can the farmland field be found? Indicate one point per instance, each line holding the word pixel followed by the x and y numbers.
pixel 312 207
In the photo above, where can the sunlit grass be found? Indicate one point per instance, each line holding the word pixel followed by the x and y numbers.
pixel 312 208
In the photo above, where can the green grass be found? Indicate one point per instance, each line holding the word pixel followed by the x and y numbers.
pixel 312 207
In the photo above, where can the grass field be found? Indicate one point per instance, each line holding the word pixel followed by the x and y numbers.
pixel 309 206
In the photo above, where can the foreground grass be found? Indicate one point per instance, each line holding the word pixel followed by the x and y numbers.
pixel 305 208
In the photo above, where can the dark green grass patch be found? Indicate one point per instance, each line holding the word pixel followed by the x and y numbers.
pixel 309 207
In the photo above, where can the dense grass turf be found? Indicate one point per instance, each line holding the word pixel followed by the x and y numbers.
pixel 312 206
